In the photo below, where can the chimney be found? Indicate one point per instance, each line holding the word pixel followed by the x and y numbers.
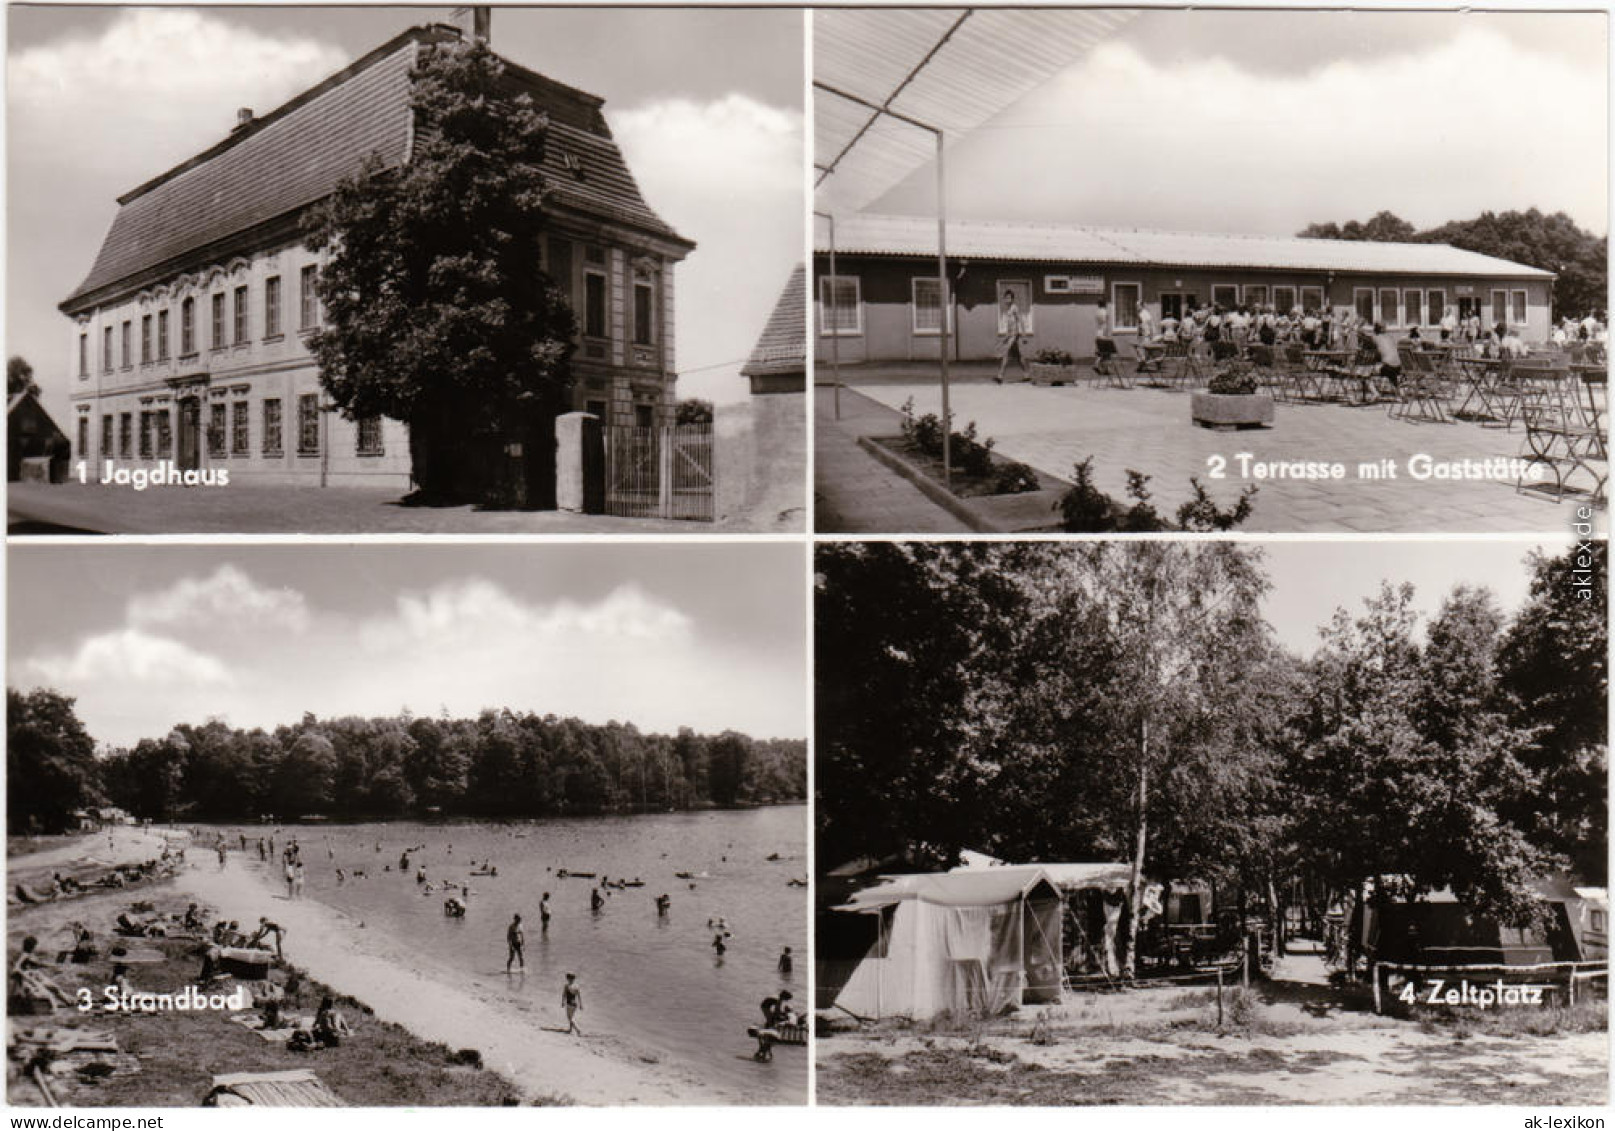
pixel 243 117
pixel 481 23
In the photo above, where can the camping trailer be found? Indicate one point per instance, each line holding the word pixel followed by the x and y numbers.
pixel 969 942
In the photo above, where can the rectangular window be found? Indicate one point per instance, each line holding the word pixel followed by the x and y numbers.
pixel 595 408
pixel 162 335
pixel 370 436
pixel 1499 307
pixel 218 340
pixel 240 429
pixel 1520 308
pixel 841 310
pixel 558 265
pixel 1283 299
pixel 272 307
pixel 272 427
pixel 1437 308
pixel 1362 300
pixel 165 435
pixel 644 416
pixel 215 429
pixel 594 304
pixel 126 435
pixel 644 313
pixel 1255 294
pixel 1389 306
pixel 145 435
pixel 84 436
pixel 145 339
pixel 1225 295
pixel 1413 308
pixel 308 299
pixel 187 327
pixel 308 424
pixel 106 436
pixel 106 350
pixel 927 299
pixel 241 316
pixel 1125 299
pixel 127 337
pixel 84 355
pixel 1312 299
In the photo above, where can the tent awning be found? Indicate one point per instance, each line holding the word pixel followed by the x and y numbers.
pixel 950 69
pixel 984 887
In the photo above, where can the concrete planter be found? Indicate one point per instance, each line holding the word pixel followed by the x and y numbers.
pixel 1046 374
pixel 1231 410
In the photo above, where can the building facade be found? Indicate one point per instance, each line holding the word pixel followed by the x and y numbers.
pixel 190 334
pixel 885 302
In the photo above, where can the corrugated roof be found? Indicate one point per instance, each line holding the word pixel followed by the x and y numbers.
pixel 1072 243
pixel 782 348
pixel 296 155
pixel 990 60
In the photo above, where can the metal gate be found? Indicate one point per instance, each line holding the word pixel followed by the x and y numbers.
pixel 663 472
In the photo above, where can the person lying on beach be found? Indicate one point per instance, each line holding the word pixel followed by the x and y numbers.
pixel 29 981
pixel 572 1002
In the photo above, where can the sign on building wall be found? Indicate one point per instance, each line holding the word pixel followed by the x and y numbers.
pixel 1073 284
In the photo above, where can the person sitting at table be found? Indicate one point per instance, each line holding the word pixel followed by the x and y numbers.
pixel 1390 361
pixel 1512 345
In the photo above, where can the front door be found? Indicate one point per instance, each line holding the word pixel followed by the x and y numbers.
pixel 190 434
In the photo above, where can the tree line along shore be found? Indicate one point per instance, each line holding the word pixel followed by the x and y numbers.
pixel 499 764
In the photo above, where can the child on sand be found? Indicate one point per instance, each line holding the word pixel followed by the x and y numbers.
pixel 572 1002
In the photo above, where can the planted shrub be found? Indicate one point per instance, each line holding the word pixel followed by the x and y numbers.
pixel 1085 509
pixel 1233 380
pixel 1015 478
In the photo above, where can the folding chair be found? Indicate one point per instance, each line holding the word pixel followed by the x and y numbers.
pixel 1418 395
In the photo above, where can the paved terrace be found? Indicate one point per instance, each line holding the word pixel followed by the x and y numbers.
pixel 1149 430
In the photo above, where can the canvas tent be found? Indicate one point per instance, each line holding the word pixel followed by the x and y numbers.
pixel 968 942
pixel 1438 929
pixel 1095 899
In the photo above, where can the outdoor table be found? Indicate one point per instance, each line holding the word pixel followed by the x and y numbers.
pixel 1320 379
pixel 1481 374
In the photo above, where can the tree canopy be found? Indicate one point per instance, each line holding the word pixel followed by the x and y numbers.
pixel 438 312
pixel 50 762
pixel 19 376
pixel 1551 242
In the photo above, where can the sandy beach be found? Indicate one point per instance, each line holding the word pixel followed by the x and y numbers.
pixel 533 1051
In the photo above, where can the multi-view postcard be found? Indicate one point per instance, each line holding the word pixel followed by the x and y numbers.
pixel 1257 271
pixel 404 270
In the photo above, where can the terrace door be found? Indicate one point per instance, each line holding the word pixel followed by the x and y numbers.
pixel 190 434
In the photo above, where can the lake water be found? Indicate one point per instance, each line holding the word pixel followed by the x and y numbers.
pixel 654 979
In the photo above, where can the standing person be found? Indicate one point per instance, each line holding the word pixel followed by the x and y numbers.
pixel 1449 325
pixel 515 940
pixel 223 855
pixel 572 1002
pixel 1104 342
pixel 596 901
pixel 719 945
pixel 786 962
pixel 1011 337
pixel 1146 323
pixel 663 902
pixel 544 914
pixel 266 928
pixel 291 881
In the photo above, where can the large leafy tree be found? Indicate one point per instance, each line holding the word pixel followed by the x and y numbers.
pixel 19 376
pixel 438 311
pixel 50 762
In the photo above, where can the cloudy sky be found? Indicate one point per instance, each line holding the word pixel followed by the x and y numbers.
pixel 1311 579
pixel 1264 121
pixel 706 105
pixel 710 636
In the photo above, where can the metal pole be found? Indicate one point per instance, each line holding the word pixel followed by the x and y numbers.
pixel 835 330
pixel 943 304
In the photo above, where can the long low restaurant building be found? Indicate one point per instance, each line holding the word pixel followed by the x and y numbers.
pixel 885 303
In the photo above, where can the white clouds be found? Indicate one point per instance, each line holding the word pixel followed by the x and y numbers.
pixel 727 174
pixel 227 600
pixel 483 614
pixel 129 656
pixel 1471 123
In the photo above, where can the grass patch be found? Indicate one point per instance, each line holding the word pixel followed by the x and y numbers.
pixel 1586 1016
pixel 169 1059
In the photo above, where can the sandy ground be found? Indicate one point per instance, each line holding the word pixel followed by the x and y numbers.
pixel 1155 1046
pixel 534 1052
pixel 117 845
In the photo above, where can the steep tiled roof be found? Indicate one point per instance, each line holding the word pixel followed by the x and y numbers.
pixel 783 345
pixel 1070 243
pixel 296 155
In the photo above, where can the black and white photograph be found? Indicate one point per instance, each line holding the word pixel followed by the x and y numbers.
pixel 404 270
pixel 1211 823
pixel 1274 271
pixel 407 826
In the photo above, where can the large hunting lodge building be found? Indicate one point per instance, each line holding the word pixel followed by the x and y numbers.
pixel 887 297
pixel 189 338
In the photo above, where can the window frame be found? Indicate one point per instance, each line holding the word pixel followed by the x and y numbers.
pixel 372 446
pixel 856 329
pixel 1431 306
pixel 127 343
pixel 220 315
pixel 593 272
pixel 1323 299
pixel 1391 323
pixel 1519 307
pixel 218 425
pixel 83 435
pixel 126 435
pixel 106 349
pixel 162 334
pixel 145 339
pixel 146 426
pixel 308 423
pixel 644 332
pixel 1266 290
pixel 1373 303
pixel 1116 324
pixel 308 297
pixel 1418 301
pixel 1219 287
pixel 944 311
pixel 273 424
pixel 187 327
pixel 1499 313
pixel 240 428
pixel 165 433
pixel 107 449
pixel 1285 308
pixel 241 322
